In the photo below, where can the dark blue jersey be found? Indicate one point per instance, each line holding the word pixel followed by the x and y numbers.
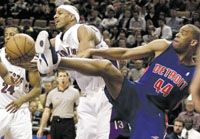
pixel 163 86
pixel 166 80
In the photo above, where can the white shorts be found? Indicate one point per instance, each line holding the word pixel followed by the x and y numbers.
pixel 16 125
pixel 94 113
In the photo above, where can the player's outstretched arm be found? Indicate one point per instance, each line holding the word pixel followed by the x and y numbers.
pixel 155 47
pixel 34 80
pixel 96 67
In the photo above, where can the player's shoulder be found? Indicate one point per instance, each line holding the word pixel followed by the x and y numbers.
pixel 83 28
pixel 86 31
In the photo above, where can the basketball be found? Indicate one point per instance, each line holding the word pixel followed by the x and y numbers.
pixel 20 46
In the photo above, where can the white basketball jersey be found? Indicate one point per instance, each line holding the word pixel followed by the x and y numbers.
pixel 68 46
pixel 9 93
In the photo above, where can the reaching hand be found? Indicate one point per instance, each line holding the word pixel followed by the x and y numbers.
pixel 14 106
pixel 10 80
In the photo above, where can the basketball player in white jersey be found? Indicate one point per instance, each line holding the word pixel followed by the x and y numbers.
pixel 94 109
pixel 14 113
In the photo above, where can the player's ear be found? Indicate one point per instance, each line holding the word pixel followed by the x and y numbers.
pixel 194 42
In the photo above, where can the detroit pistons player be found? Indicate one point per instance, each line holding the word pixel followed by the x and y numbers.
pixel 15 116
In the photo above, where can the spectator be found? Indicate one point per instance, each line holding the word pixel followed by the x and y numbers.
pixel 125 20
pixel 151 15
pixel 190 113
pixel 163 31
pixel 191 5
pixel 35 113
pixel 137 21
pixel 137 71
pixel 177 129
pixel 93 18
pixel 47 87
pixel 110 21
pixel 188 131
pixel 174 22
pixel 150 36
pixel 162 6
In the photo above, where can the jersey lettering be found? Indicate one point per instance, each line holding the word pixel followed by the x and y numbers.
pixel 67 53
pixel 161 88
pixel 7 88
pixel 171 75
pixel 119 124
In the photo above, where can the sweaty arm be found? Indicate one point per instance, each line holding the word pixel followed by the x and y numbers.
pixel 5 75
pixel 34 80
pixel 86 38
pixel 155 47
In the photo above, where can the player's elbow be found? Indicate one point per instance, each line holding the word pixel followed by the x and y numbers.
pixel 37 91
pixel 106 66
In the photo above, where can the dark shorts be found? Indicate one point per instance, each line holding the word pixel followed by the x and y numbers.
pixel 146 120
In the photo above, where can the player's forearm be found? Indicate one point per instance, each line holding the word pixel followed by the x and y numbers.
pixel 5 75
pixel 36 91
pixel 3 71
pixel 111 53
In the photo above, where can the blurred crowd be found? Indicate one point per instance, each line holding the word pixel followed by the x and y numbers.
pixel 123 23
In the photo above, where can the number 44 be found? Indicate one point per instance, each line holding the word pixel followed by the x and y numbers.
pixel 161 88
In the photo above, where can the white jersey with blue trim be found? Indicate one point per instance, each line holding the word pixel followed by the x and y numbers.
pixel 69 45
pixel 8 92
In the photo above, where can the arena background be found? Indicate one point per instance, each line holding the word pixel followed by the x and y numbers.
pixel 123 23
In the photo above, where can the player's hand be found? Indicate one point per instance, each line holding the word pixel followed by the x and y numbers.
pixel 84 54
pixel 10 80
pixel 14 106
pixel 39 133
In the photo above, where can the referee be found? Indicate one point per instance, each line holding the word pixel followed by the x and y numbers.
pixel 60 101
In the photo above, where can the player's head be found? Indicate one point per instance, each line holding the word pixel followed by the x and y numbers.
pixel 178 126
pixel 65 16
pixel 187 40
pixel 9 32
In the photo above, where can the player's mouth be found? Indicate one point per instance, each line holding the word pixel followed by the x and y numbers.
pixel 56 22
pixel 175 40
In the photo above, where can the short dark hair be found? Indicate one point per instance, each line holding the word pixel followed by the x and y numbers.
pixel 61 70
pixel 179 120
pixel 195 32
